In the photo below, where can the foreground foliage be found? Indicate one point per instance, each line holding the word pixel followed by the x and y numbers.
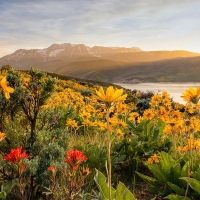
pixel 73 140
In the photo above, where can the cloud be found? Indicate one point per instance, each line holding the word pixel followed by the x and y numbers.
pixel 39 23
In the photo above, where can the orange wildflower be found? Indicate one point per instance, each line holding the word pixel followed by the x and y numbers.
pixel 2 136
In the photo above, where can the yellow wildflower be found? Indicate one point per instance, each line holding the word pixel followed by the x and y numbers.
pixel 87 122
pixel 121 108
pixel 140 119
pixel 148 114
pixel 192 95
pixel 112 95
pixel 168 129
pixel 162 113
pixel 155 100
pixel 7 90
pixel 150 161
pixel 190 109
pixel 72 123
pixel 102 125
pixel 165 95
pixel 119 132
pixel 123 124
pixel 114 121
pixel 166 102
pixel 85 115
pixel 133 116
pixel 182 149
pixel 153 159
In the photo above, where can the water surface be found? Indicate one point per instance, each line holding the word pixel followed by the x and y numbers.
pixel 174 89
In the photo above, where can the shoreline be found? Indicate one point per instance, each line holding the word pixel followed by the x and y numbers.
pixel 174 89
pixel 153 83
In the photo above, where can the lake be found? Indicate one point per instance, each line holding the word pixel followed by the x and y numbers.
pixel 174 89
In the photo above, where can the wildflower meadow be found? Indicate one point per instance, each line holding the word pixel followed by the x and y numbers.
pixel 73 140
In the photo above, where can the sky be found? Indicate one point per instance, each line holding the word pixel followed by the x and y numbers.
pixel 148 24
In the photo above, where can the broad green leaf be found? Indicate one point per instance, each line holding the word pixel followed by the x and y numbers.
pixel 166 162
pixel 155 135
pixel 148 151
pixel 161 126
pixel 160 191
pixel 157 172
pixel 175 174
pixel 184 172
pixel 140 127
pixel 3 195
pixel 122 193
pixel 150 180
pixel 149 129
pixel 130 125
pixel 7 187
pixel 193 183
pixel 176 197
pixel 196 175
pixel 132 145
pixel 176 189
pixel 100 180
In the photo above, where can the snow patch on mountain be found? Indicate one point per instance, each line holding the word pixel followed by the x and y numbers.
pixel 42 51
pixel 55 52
pixel 92 53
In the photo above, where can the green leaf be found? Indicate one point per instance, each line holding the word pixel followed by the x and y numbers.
pixel 7 187
pixel 122 193
pixel 166 162
pixel 149 129
pixel 150 180
pixel 176 189
pixel 196 174
pixel 155 135
pixel 140 127
pixel 3 195
pixel 148 151
pixel 100 180
pixel 130 124
pixel 160 191
pixel 176 197
pixel 161 126
pixel 175 174
pixel 193 183
pixel 157 172
pixel 184 172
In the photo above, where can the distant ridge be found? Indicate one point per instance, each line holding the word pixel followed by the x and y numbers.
pixel 66 51
pixel 171 70
pixel 112 64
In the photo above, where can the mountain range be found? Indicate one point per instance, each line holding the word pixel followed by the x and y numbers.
pixel 113 64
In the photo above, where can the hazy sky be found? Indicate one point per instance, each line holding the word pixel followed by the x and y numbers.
pixel 147 24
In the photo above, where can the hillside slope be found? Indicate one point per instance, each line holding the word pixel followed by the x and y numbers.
pixel 174 70
pixel 112 64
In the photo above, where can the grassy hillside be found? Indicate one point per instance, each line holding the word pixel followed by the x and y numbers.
pixel 154 66
pixel 149 56
pixel 81 81
pixel 173 70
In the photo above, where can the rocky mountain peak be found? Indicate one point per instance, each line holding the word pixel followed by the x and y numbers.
pixel 60 51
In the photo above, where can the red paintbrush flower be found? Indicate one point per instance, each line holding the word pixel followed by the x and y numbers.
pixel 16 155
pixel 74 158
pixel 51 168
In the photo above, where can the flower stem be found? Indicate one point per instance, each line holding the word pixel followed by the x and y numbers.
pixel 109 166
